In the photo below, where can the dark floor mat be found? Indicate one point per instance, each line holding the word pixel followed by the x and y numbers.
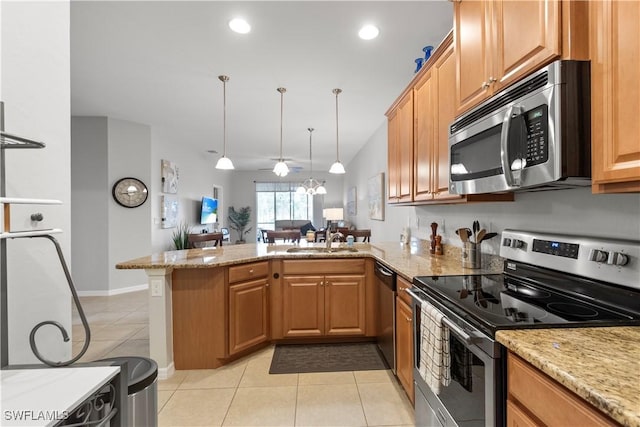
pixel 301 358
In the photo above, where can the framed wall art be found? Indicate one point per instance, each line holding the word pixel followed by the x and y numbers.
pixel 169 174
pixel 352 201
pixel 375 196
pixel 169 212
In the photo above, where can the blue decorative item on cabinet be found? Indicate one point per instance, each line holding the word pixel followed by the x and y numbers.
pixel 418 62
pixel 427 52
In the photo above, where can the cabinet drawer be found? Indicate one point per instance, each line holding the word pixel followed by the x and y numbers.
pixel 323 266
pixel 250 271
pixel 547 400
pixel 401 285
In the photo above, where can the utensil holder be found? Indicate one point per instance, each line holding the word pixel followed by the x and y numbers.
pixel 471 255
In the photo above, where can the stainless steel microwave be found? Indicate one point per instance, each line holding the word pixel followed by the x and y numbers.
pixel 534 135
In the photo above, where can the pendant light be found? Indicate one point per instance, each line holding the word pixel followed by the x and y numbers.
pixel 337 167
pixel 311 186
pixel 224 162
pixel 281 169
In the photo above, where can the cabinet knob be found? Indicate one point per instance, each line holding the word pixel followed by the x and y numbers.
pixel 485 85
pixel 267 285
pixel 409 319
pixel 492 80
pixel 251 271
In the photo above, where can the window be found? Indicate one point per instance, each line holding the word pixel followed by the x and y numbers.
pixel 277 201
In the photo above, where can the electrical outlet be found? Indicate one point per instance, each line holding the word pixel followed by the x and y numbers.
pixel 156 288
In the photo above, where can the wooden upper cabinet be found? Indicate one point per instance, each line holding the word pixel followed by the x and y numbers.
pixel 392 157
pixel 500 41
pixel 472 29
pixel 615 96
pixel 405 148
pixel 424 137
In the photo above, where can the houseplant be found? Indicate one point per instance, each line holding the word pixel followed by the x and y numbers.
pixel 239 220
pixel 180 236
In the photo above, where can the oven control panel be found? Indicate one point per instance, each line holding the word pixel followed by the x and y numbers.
pixel 611 260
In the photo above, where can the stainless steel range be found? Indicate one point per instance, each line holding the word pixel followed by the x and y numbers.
pixel 548 280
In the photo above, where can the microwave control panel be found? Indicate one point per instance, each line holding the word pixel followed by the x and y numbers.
pixel 537 129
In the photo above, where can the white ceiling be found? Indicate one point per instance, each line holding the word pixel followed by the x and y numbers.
pixel 157 63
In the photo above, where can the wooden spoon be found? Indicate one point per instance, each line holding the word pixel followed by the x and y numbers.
pixel 481 235
pixel 464 235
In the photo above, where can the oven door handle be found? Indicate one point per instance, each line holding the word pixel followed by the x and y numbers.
pixel 461 333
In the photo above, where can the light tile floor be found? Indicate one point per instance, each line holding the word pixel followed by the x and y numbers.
pixel 243 393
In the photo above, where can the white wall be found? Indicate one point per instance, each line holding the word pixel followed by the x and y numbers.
pixel 575 211
pixel 36 91
pixel 89 201
pixel 197 177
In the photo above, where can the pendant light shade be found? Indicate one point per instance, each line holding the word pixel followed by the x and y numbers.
pixel 281 169
pixel 337 167
pixel 311 186
pixel 224 162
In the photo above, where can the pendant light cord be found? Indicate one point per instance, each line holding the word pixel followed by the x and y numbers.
pixel 224 80
pixel 310 155
pixel 282 91
pixel 337 92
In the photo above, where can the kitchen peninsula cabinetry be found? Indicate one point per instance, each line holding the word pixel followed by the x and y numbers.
pixel 404 338
pixel 615 96
pixel 324 298
pixel 498 41
pixel 248 306
pixel 535 399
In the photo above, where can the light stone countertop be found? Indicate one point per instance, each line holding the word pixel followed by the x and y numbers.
pixel 601 365
pixel 407 260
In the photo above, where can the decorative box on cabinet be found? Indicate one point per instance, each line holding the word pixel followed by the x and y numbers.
pixel 615 96
pixel 497 42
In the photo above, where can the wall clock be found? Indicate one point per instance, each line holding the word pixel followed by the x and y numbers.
pixel 130 192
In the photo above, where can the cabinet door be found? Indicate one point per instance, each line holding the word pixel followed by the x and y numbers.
pixel 405 147
pixel 303 306
pixel 516 417
pixel 392 158
pixel 472 26
pixel 615 96
pixel 527 36
pixel 248 315
pixel 445 111
pixel 344 298
pixel 424 141
pixel 404 346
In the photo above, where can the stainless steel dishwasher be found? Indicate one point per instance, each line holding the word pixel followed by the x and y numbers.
pixel 386 283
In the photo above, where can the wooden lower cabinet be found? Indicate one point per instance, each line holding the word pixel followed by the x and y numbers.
pixel 404 346
pixel 319 306
pixel 248 315
pixel 535 399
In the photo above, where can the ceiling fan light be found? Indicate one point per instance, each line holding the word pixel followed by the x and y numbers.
pixel 321 190
pixel 337 168
pixel 301 190
pixel 281 169
pixel 224 163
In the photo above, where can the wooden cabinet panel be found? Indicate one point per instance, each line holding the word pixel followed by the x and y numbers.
pixel 248 315
pixel 393 177
pixel 472 27
pixel 424 110
pixel 516 417
pixel 402 285
pixel 527 35
pixel 405 148
pixel 615 96
pixel 254 270
pixel 324 266
pixel 547 400
pixel 344 298
pixel 303 306
pixel 404 347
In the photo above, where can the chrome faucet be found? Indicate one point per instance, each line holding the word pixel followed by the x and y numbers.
pixel 332 236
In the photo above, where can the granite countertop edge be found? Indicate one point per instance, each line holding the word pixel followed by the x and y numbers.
pixel 580 359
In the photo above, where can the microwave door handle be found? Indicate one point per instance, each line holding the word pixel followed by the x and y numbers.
pixel 504 147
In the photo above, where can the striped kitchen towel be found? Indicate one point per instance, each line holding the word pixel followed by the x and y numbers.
pixel 434 348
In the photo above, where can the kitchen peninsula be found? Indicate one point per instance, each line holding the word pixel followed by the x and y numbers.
pixel 193 293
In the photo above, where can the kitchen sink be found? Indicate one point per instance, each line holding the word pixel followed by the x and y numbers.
pixel 313 250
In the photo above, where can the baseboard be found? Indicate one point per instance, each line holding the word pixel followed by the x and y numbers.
pixel 166 373
pixel 112 292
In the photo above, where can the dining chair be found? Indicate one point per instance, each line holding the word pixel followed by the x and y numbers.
pixel 293 235
pixel 203 238
pixel 365 234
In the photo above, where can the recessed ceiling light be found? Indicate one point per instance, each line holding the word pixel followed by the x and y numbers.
pixel 368 32
pixel 239 25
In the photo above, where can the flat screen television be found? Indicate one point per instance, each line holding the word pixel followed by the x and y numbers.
pixel 209 211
